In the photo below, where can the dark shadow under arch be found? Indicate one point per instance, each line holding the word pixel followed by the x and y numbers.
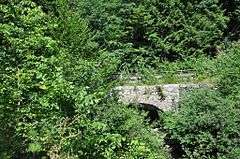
pixel 152 111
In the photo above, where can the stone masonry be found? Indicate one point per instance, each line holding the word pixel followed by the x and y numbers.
pixel 164 97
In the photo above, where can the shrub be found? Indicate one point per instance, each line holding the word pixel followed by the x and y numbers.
pixel 227 71
pixel 206 125
pixel 116 132
pixel 232 10
pixel 53 98
pixel 146 32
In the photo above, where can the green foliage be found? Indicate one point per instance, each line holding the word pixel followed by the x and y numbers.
pixel 58 58
pixel 73 31
pixel 116 132
pixel 54 94
pixel 232 10
pixel 48 6
pixel 206 125
pixel 228 73
pixel 146 32
pixel 27 57
pixel 189 70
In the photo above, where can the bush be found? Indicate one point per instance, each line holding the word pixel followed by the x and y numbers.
pixel 228 73
pixel 146 32
pixel 53 98
pixel 206 125
pixel 115 132
pixel 232 10
pixel 27 65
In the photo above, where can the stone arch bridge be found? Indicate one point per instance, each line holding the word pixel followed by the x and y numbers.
pixel 163 97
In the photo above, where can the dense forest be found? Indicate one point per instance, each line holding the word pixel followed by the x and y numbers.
pixel 61 59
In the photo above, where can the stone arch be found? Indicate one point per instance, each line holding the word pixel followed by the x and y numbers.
pixel 152 110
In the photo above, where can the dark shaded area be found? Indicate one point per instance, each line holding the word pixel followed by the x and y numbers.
pixel 232 8
pixel 48 6
pixel 40 155
pixel 152 111
pixel 67 106
pixel 175 147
